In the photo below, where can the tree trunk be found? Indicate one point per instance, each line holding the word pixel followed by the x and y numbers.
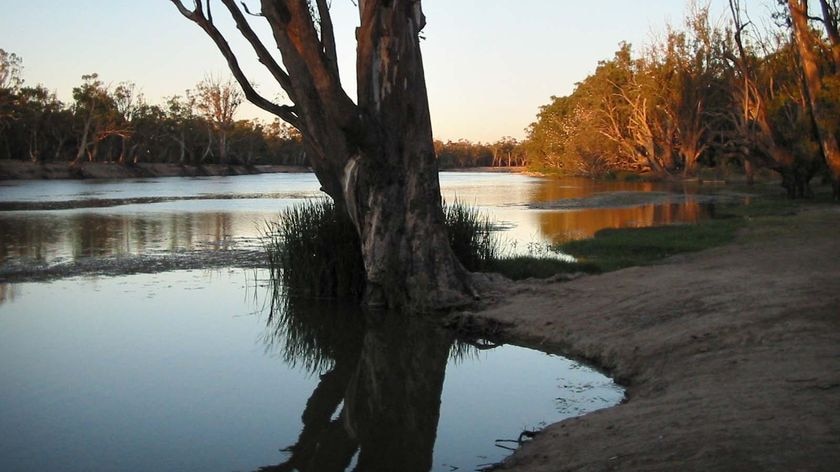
pixel 829 20
pixel 813 85
pixel 83 144
pixel 392 189
pixel 375 158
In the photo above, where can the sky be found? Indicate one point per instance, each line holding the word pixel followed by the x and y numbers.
pixel 490 64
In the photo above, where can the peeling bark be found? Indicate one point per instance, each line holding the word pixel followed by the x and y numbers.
pixel 375 157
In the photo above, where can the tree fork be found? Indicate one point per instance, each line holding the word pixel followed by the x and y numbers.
pixel 375 158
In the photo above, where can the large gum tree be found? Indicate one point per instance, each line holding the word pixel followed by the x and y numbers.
pixel 374 156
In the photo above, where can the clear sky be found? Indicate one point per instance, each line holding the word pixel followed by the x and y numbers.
pixel 489 64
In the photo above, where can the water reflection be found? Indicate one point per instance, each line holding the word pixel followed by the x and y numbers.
pixel 48 236
pixel 379 400
pixel 563 226
pixel 175 371
pixel 215 222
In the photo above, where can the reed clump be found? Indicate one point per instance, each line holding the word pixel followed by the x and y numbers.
pixel 313 249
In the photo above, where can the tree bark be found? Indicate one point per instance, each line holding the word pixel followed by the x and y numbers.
pixel 831 28
pixel 375 158
pixel 813 85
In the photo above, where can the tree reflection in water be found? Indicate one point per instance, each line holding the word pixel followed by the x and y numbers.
pixel 379 399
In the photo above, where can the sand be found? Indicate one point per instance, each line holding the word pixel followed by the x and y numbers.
pixel 730 356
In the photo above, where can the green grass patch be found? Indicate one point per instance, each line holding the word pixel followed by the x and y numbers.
pixel 613 249
pixel 471 236
pixel 524 267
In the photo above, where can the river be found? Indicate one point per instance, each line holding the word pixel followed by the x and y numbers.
pixel 205 369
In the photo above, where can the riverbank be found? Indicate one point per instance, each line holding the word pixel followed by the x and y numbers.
pixel 730 356
pixel 27 170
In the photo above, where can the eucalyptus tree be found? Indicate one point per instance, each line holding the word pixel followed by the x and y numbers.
pixel 10 82
pixel 92 106
pixel 217 100
pixel 373 155
pixel 821 105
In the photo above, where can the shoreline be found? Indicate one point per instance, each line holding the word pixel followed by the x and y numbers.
pixel 13 170
pixel 730 357
pixel 27 170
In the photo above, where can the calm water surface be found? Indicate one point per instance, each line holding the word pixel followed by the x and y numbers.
pixel 201 371
pixel 185 371
pixel 229 212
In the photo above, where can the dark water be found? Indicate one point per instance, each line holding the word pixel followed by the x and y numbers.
pixel 185 371
pixel 228 212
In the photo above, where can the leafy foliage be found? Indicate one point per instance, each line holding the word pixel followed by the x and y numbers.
pixel 703 95
pixel 116 124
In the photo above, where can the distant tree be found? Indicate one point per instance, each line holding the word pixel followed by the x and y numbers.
pixel 94 108
pixel 11 66
pixel 217 100
pixel 10 81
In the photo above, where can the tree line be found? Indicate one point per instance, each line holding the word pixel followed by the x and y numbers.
pixel 707 94
pixel 114 123
pixel 505 152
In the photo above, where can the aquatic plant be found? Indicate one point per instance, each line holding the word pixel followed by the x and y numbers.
pixel 471 236
pixel 313 250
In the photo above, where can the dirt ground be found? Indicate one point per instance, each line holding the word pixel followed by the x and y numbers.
pixel 731 356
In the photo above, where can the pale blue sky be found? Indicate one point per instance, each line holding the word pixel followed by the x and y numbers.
pixel 490 64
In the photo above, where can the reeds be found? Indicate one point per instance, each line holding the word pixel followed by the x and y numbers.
pixel 313 250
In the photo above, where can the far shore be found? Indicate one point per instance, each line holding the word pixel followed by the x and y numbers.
pixel 27 170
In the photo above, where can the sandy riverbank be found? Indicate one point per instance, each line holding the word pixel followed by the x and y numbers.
pixel 25 170
pixel 731 356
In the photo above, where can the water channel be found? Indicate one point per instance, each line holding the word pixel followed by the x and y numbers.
pixel 205 369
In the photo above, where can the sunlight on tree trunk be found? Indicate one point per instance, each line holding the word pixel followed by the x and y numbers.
pixel 376 157
pixel 805 43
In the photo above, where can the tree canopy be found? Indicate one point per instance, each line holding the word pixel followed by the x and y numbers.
pixel 708 93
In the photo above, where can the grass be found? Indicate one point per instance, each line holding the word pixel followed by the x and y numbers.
pixel 537 267
pixel 471 236
pixel 613 249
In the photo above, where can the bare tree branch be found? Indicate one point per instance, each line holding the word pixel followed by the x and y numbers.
pixel 263 55
pixel 328 37
pixel 286 113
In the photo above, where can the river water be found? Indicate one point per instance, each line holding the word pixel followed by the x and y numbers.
pixel 221 213
pixel 206 369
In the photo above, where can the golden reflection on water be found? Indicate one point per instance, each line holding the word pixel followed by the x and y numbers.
pixel 49 237
pixel 61 235
pixel 563 226
pixel 559 226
